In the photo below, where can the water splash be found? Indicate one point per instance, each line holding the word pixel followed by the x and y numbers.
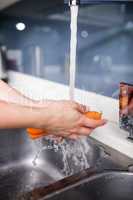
pixel 73 154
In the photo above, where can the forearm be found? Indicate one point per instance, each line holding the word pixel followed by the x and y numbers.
pixel 11 95
pixel 15 116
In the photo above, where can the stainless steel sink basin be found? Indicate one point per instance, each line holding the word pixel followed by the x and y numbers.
pixel 17 172
pixel 104 186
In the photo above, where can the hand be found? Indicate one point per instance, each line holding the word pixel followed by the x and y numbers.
pixel 66 119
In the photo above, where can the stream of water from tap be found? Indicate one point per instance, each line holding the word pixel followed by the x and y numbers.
pixel 73 48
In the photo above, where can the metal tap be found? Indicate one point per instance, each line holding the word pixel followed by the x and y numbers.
pixel 74 2
pixel 77 2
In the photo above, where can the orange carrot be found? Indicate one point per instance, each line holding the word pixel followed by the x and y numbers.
pixel 93 115
pixel 35 133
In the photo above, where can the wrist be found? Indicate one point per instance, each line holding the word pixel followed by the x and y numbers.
pixel 39 116
pixel 42 114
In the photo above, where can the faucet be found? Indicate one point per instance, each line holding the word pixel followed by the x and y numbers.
pixel 78 2
pixel 74 2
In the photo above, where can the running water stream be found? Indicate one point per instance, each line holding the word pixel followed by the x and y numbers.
pixel 73 48
pixel 74 153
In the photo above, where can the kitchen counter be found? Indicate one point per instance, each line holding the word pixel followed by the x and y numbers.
pixel 110 135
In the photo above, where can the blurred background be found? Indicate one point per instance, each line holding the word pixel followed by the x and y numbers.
pixel 36 34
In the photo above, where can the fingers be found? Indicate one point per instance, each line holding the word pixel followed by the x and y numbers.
pixel 58 139
pixel 93 123
pixel 81 132
pixel 81 108
pixel 75 133
pixel 73 137
pixel 84 131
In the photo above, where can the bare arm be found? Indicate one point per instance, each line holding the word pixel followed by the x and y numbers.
pixel 60 118
pixel 11 95
pixel 15 116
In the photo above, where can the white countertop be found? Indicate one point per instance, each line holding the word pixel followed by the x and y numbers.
pixel 110 135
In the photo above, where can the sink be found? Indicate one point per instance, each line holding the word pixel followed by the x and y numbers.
pixel 58 168
pixel 103 186
pixel 17 172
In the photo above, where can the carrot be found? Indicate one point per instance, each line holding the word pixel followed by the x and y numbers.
pixel 93 115
pixel 36 133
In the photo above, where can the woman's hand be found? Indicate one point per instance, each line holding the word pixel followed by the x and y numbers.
pixel 66 119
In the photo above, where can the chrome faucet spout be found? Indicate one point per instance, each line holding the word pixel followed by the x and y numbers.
pixel 74 2
pixel 77 2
